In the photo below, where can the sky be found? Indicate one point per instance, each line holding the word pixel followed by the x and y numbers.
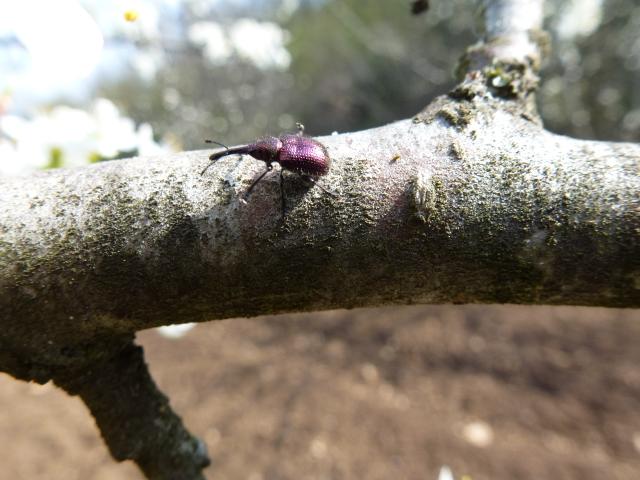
pixel 60 49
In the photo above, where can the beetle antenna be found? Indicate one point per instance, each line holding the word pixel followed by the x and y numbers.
pixel 214 157
pixel 217 143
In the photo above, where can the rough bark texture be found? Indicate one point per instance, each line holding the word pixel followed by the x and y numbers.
pixel 471 201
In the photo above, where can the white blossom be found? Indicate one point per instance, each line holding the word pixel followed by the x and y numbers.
pixel 63 41
pixel 261 43
pixel 579 18
pixel 66 136
pixel 212 37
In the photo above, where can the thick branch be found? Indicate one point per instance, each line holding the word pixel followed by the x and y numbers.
pixel 479 205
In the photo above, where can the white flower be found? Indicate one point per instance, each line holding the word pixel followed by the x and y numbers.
pixel 113 133
pixel 211 36
pixel 63 41
pixel 65 136
pixel 262 43
pixel 579 18
pixel 10 162
pixel 111 17
pixel 145 143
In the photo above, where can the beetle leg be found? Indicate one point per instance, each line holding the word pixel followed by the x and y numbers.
pixel 255 182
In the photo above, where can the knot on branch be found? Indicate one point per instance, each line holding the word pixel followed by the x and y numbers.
pixel 503 80
pixel 427 196
pixel 505 86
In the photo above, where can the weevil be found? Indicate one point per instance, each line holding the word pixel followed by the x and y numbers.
pixel 293 152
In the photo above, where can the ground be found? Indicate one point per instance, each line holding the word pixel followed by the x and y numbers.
pixel 492 392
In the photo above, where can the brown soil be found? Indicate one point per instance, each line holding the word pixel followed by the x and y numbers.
pixel 492 392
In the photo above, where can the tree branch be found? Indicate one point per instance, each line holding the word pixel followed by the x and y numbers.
pixel 478 195
pixel 510 27
pixel 513 35
pixel 471 201
pixel 134 416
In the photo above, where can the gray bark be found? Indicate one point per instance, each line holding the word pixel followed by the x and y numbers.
pixel 471 201
pixel 510 25
pixel 465 203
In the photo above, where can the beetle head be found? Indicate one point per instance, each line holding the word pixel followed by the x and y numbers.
pixel 265 149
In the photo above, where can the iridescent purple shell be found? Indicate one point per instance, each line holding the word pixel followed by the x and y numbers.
pixel 303 155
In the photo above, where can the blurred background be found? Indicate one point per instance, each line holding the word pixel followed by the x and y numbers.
pixel 83 81
pixel 417 392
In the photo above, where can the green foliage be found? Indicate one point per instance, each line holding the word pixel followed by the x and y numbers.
pixel 56 158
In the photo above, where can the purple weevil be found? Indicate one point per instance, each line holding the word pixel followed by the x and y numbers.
pixel 297 153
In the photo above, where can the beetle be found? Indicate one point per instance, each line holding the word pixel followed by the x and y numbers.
pixel 293 152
